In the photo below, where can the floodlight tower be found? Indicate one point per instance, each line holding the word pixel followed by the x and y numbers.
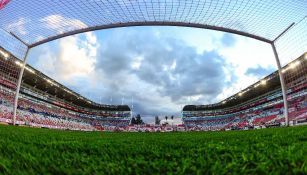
pixel 132 106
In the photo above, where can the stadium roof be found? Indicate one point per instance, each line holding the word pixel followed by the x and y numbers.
pixel 265 85
pixel 25 24
pixel 42 82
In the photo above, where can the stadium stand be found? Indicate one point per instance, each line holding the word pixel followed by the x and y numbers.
pixel 46 103
pixel 259 105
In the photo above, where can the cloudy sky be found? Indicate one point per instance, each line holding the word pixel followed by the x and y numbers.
pixel 155 70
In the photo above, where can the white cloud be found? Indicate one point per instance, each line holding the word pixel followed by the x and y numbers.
pixel 61 24
pixel 91 38
pixel 73 59
pixel 247 53
pixel 136 62
pixel 201 39
pixel 18 26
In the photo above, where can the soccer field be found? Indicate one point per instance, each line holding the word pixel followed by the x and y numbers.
pixel 41 151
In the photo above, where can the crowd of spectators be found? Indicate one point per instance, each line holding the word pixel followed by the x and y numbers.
pixel 267 113
pixel 35 113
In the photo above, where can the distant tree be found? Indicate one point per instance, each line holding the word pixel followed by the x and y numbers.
pixel 172 117
pixel 166 118
pixel 157 120
pixel 139 120
pixel 133 121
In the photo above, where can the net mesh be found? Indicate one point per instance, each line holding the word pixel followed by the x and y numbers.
pixel 9 72
pixel 295 75
pixel 12 45
pixel 34 21
pixel 293 43
pixel 291 47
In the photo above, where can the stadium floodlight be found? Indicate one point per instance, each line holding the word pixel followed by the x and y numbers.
pixel 52 83
pixel 284 70
pixel 4 54
pixel 30 70
pixel 263 82
pixel 48 81
pixel 18 63
pixel 240 94
pixel 256 85
pixel 293 65
pixel 297 63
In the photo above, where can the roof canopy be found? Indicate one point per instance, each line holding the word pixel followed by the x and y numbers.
pixel 36 22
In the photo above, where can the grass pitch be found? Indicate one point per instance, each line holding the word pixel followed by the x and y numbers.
pixel 43 151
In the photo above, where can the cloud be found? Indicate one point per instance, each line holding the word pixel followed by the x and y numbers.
pixel 61 24
pixel 69 59
pixel 56 24
pixel 18 26
pixel 246 53
pixel 228 40
pixel 160 73
pixel 259 71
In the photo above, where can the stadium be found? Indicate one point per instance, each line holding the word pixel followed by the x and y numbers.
pixel 259 105
pixel 48 128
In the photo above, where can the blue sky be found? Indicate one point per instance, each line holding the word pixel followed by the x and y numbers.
pixel 158 70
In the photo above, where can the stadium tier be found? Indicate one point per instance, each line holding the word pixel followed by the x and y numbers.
pixel 259 105
pixel 45 103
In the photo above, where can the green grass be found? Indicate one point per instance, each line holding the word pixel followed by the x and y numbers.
pixel 43 151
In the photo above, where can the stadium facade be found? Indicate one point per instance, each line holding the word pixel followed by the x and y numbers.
pixel 27 24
